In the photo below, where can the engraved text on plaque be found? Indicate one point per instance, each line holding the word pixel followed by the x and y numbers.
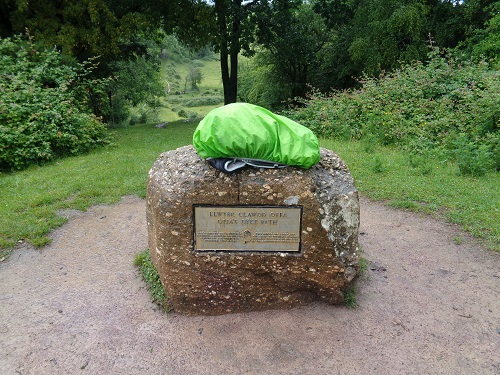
pixel 247 228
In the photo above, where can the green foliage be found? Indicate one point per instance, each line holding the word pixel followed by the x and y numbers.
pixel 260 84
pixel 370 37
pixel 193 76
pixel 85 28
pixel 139 79
pixel 292 34
pixel 44 106
pixel 388 32
pixel 473 159
pixel 486 42
pixel 363 265
pixel 202 101
pixel 150 275
pixel 378 165
pixel 448 108
pixel 173 50
pixel 187 114
pixel 137 83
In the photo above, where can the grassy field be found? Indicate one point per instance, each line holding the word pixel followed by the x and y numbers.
pixel 209 90
pixel 29 200
pixel 426 186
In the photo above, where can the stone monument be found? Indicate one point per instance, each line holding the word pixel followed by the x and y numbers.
pixel 254 240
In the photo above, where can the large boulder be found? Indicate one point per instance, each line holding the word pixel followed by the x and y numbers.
pixel 218 273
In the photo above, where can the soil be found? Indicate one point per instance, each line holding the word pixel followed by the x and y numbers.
pixel 429 303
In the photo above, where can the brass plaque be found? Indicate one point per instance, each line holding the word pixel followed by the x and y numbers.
pixel 247 228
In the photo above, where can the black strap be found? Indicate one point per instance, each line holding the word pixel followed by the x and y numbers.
pixel 231 165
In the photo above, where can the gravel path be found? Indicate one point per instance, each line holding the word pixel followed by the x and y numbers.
pixel 426 306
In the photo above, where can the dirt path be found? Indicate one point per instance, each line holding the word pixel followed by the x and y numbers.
pixel 427 306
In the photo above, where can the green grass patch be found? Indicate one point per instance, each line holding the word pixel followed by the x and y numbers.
pixel 350 297
pixel 212 79
pixel 30 199
pixel 150 276
pixel 430 186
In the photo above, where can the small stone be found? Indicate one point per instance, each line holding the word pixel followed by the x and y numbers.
pixel 292 200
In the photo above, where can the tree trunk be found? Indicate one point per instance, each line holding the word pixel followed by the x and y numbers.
pixel 226 79
pixel 229 47
pixel 231 93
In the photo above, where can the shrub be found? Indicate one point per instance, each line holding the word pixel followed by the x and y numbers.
pixel 43 107
pixel 137 83
pixel 203 101
pixel 440 107
pixel 187 114
pixel 472 159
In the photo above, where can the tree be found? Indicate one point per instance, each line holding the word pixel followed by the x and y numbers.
pixel 260 84
pixel 223 24
pixel 229 25
pixel 368 37
pixel 115 35
pixel 293 34
pixel 194 76
pixel 485 42
pixel 387 33
pixel 83 28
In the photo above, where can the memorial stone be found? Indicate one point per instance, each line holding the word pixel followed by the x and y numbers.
pixel 254 240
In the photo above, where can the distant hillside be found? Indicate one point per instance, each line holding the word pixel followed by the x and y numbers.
pixel 192 82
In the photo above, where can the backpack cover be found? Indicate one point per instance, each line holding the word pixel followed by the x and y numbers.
pixel 247 131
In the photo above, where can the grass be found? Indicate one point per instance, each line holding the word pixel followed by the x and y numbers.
pixel 429 186
pixel 150 275
pixel 29 200
pixel 350 297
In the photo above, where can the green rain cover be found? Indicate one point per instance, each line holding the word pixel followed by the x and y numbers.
pixel 242 130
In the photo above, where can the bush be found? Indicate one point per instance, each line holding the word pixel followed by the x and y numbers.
pixel 43 107
pixel 449 107
pixel 187 114
pixel 474 160
pixel 203 101
pixel 137 83
pixel 197 101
